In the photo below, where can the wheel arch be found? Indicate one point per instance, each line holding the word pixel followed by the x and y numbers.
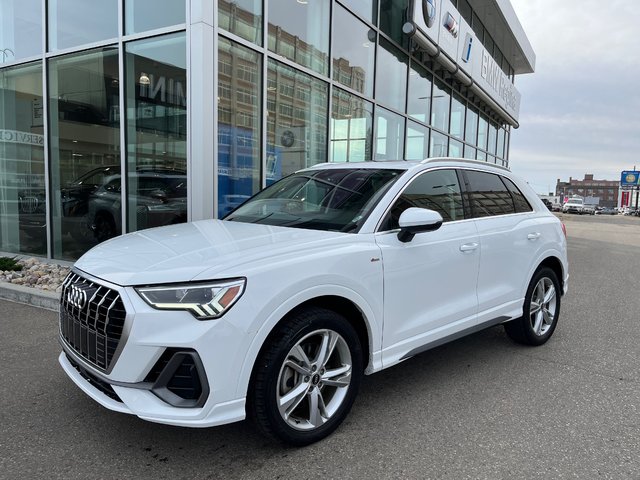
pixel 554 264
pixel 342 305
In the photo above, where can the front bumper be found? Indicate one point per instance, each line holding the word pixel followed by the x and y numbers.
pixel 218 346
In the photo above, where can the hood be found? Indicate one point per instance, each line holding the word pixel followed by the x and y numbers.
pixel 180 253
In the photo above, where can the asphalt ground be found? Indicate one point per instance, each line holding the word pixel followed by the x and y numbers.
pixel 480 407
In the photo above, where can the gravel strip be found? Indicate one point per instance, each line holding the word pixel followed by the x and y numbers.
pixel 36 274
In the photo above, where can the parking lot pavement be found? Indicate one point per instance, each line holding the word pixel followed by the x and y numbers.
pixel 481 407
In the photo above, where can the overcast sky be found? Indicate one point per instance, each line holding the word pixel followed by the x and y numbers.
pixel 580 110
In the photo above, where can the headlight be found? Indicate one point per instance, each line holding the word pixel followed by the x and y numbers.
pixel 204 300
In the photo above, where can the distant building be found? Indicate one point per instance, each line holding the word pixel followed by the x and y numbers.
pixel 605 190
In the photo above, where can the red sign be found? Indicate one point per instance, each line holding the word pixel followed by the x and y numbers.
pixel 625 199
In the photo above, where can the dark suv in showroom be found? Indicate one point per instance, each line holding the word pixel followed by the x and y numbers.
pixel 90 205
pixel 159 198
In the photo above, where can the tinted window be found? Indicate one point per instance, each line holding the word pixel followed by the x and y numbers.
pixel 519 200
pixel 487 195
pixel 438 190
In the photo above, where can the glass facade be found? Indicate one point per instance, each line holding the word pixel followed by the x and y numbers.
pixel 96 103
pixel 20 29
pixel 84 148
pixel 144 15
pixel 23 218
pixel 156 106
pixel 77 22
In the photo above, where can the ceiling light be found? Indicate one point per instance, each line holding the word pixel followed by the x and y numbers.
pixel 302 2
pixel 144 79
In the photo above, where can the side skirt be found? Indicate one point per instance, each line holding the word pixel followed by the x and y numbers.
pixel 455 336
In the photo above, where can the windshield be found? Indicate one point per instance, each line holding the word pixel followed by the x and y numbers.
pixel 333 199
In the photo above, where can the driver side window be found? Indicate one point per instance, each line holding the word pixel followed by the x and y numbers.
pixel 437 190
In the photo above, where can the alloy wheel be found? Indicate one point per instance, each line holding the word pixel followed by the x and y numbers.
pixel 543 307
pixel 314 379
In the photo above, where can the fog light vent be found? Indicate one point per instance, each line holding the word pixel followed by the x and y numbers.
pixel 178 378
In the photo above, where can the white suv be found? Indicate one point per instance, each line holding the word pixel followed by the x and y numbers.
pixel 574 205
pixel 336 271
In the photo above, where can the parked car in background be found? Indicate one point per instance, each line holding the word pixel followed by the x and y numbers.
pixel 158 197
pixel 608 211
pixel 589 209
pixel 547 204
pixel 277 311
pixel 573 205
pixel 556 207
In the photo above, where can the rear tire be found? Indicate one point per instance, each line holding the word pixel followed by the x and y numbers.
pixel 541 310
pixel 306 378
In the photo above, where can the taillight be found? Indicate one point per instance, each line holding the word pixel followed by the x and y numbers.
pixel 564 229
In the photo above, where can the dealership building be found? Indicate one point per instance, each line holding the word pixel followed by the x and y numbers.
pixel 119 115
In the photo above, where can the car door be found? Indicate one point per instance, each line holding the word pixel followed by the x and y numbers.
pixel 508 233
pixel 429 282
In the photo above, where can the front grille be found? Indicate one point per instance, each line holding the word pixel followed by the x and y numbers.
pixel 29 204
pixel 99 384
pixel 91 319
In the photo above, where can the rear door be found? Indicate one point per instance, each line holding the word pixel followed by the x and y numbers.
pixel 429 282
pixel 508 234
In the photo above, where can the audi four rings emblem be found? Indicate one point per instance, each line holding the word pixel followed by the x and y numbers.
pixel 76 297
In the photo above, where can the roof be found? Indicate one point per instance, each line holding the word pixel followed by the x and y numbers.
pixel 408 164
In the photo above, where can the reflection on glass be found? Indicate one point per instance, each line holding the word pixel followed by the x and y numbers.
pixel 455 148
pixel 483 127
pixel 500 151
pixel 296 121
pixel 354 48
pixel 389 135
pixel 239 132
pixel 351 128
pixel 77 22
pixel 440 109
pixel 301 32
pixel 242 17
pixel 457 116
pixel 481 156
pixel 471 132
pixel 144 15
pixel 469 152
pixel 493 136
pixel 156 89
pixel 367 9
pixel 417 142
pixel 391 76
pixel 20 29
pixel 419 99
pixel 85 147
pixel 393 15
pixel 23 220
pixel 439 144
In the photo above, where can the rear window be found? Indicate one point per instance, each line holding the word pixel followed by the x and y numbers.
pixel 488 195
pixel 519 200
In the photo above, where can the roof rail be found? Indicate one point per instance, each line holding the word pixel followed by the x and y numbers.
pixel 464 160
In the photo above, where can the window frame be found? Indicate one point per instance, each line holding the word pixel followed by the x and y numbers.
pixel 381 228
pixel 469 204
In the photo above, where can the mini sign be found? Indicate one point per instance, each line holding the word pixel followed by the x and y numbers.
pixel 630 178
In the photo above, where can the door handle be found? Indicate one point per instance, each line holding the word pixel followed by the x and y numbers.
pixel 534 236
pixel 468 247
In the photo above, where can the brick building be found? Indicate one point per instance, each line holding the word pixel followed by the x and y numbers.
pixel 605 190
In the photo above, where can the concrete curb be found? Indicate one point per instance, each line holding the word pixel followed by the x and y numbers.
pixel 30 296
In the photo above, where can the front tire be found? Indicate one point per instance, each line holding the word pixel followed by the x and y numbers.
pixel 541 310
pixel 306 378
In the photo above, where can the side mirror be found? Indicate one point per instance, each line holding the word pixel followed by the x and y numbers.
pixel 417 220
